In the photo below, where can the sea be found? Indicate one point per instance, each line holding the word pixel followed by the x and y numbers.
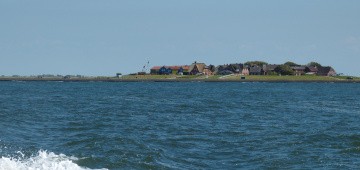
pixel 179 125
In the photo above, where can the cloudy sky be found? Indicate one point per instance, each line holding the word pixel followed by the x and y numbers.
pixel 103 37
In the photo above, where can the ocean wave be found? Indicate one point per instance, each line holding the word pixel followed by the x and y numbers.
pixel 42 161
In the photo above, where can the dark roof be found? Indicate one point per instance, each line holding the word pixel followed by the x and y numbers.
pixel 312 69
pixel 225 72
pixel 324 70
pixel 255 69
pixel 231 67
pixel 185 67
pixel 298 67
pixel 270 67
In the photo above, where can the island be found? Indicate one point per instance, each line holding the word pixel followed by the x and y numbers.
pixel 251 71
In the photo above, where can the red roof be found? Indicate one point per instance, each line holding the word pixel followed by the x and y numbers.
pixel 173 67
pixel 186 67
pixel 156 68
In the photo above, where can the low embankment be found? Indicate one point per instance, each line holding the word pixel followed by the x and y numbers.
pixel 193 78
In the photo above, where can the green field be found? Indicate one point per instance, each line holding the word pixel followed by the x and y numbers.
pixel 172 76
pixel 214 78
pixel 238 77
pixel 288 78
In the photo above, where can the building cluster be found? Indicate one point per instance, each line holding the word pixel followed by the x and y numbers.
pixel 243 69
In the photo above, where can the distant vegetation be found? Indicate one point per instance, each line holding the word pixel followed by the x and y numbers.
pixel 291 64
pixel 284 70
pixel 314 64
pixel 258 63
pixel 212 68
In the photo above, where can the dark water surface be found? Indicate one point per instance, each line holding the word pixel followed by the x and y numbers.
pixel 190 125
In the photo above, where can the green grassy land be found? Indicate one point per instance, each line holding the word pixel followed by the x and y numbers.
pixel 172 76
pixel 247 78
pixel 287 78
pixel 304 78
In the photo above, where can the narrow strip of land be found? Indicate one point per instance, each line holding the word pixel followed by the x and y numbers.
pixel 193 78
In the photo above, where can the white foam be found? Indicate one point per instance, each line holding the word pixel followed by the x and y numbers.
pixel 42 161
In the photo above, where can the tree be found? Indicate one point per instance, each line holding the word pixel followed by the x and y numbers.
pixel 233 67
pixel 284 70
pixel 212 68
pixel 291 64
pixel 314 64
pixel 258 63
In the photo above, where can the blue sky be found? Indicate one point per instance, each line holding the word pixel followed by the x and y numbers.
pixel 103 37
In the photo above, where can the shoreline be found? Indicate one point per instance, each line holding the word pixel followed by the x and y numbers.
pixel 172 80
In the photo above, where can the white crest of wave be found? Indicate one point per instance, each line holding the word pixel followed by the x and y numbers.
pixel 43 161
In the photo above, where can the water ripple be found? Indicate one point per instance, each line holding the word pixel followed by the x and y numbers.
pixel 184 125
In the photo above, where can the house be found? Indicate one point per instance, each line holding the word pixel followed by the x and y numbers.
pixel 161 70
pixel 256 70
pixel 165 70
pixel 170 70
pixel 230 69
pixel 311 70
pixel 207 70
pixel 174 69
pixel 118 75
pixel 183 70
pixel 224 70
pixel 196 68
pixel 236 68
pixel 269 69
pixel 180 71
pixel 220 69
pixel 155 70
pixel 299 70
pixel 245 71
pixel 326 71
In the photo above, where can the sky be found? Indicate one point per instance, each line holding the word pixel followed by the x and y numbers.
pixel 105 37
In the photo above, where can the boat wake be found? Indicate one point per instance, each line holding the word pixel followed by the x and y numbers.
pixel 43 160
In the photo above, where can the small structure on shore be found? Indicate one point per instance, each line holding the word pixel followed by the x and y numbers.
pixel 118 75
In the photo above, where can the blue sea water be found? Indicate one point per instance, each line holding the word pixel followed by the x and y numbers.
pixel 192 125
